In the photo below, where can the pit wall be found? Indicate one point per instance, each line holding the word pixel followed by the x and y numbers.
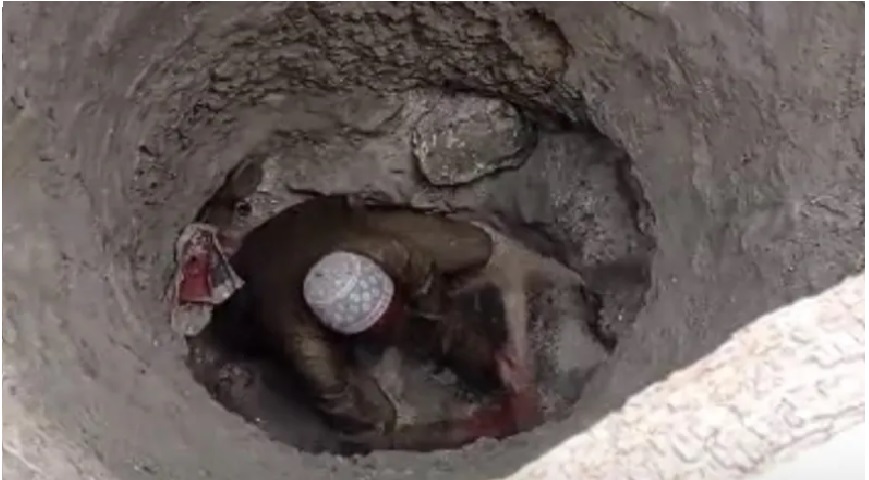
pixel 745 136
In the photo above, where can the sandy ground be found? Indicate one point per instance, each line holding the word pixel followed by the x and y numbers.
pixel 743 140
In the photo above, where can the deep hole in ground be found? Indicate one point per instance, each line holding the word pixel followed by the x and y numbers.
pixel 561 198
pixel 122 122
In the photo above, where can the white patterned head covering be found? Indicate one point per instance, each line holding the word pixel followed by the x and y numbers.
pixel 348 292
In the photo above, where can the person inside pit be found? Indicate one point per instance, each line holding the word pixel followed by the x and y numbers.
pixel 327 272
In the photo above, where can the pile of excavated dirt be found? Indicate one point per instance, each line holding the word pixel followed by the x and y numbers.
pixel 699 165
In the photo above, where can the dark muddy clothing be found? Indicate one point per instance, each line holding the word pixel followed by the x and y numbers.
pixel 417 250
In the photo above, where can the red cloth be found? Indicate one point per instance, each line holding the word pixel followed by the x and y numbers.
pixel 204 275
pixel 195 285
pixel 516 412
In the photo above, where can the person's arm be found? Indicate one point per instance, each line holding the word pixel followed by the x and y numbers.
pixel 480 354
pixel 348 400
pixel 455 246
pixel 472 353
pixel 476 355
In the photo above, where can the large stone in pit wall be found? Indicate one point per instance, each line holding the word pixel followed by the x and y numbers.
pixel 465 138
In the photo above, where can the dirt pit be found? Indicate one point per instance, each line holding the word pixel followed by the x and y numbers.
pixel 693 163
pixel 564 206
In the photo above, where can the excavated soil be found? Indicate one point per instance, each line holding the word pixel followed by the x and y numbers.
pixel 698 165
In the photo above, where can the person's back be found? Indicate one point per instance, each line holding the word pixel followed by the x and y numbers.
pixel 294 239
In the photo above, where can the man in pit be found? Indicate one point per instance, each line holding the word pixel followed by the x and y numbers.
pixel 326 273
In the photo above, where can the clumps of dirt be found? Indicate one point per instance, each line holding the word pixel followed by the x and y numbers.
pixel 465 138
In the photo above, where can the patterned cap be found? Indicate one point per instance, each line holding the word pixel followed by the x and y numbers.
pixel 348 292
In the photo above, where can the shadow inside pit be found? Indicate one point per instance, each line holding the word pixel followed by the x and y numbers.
pixel 230 357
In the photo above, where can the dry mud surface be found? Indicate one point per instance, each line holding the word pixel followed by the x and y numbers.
pixel 735 140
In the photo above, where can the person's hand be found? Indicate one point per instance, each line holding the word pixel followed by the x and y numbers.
pixel 513 371
pixel 523 401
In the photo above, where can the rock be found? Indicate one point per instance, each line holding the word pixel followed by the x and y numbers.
pixel 566 351
pixel 465 138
